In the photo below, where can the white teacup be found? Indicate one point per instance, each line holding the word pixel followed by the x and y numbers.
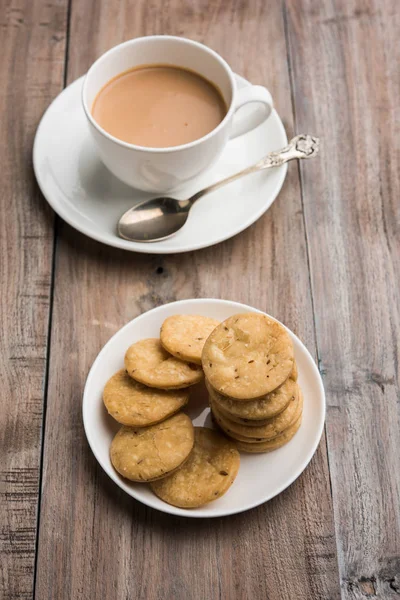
pixel 163 169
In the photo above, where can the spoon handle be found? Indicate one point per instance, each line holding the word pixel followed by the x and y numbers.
pixel 301 146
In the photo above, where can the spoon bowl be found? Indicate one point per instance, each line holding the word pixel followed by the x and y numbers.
pixel 153 220
pixel 160 218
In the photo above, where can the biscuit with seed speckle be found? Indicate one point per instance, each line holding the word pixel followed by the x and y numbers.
pixel 275 426
pixel 208 473
pixel 247 356
pixel 148 453
pixel 273 444
pixel 132 403
pixel 184 336
pixel 149 363
pixel 255 412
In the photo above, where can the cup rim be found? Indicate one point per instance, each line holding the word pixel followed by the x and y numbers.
pixel 169 149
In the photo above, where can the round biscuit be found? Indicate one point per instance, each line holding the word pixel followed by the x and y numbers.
pixel 275 426
pixel 273 444
pixel 230 434
pixel 184 336
pixel 132 403
pixel 247 356
pixel 255 412
pixel 208 473
pixel 149 363
pixel 244 421
pixel 149 453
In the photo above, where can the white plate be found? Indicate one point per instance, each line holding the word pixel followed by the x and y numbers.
pixel 261 476
pixel 85 194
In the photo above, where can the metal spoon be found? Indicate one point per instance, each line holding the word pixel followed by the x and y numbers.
pixel 160 218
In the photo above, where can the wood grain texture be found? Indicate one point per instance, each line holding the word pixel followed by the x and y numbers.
pixel 31 73
pixel 94 540
pixel 345 66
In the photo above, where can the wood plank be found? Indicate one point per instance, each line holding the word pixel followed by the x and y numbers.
pixel 94 540
pixel 31 73
pixel 345 60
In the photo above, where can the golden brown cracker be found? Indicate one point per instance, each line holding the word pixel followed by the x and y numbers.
pixel 132 403
pixel 207 474
pixel 184 336
pixel 273 444
pixel 247 356
pixel 149 363
pixel 275 426
pixel 261 409
pixel 148 453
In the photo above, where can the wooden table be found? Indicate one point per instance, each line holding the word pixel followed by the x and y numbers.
pixel 325 260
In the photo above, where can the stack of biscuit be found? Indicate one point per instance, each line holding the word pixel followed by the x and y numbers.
pixel 251 377
pixel 157 443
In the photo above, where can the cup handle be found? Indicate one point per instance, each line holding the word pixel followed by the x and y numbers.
pixel 254 94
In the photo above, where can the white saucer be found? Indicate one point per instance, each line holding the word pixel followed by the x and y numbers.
pixel 85 194
pixel 261 476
